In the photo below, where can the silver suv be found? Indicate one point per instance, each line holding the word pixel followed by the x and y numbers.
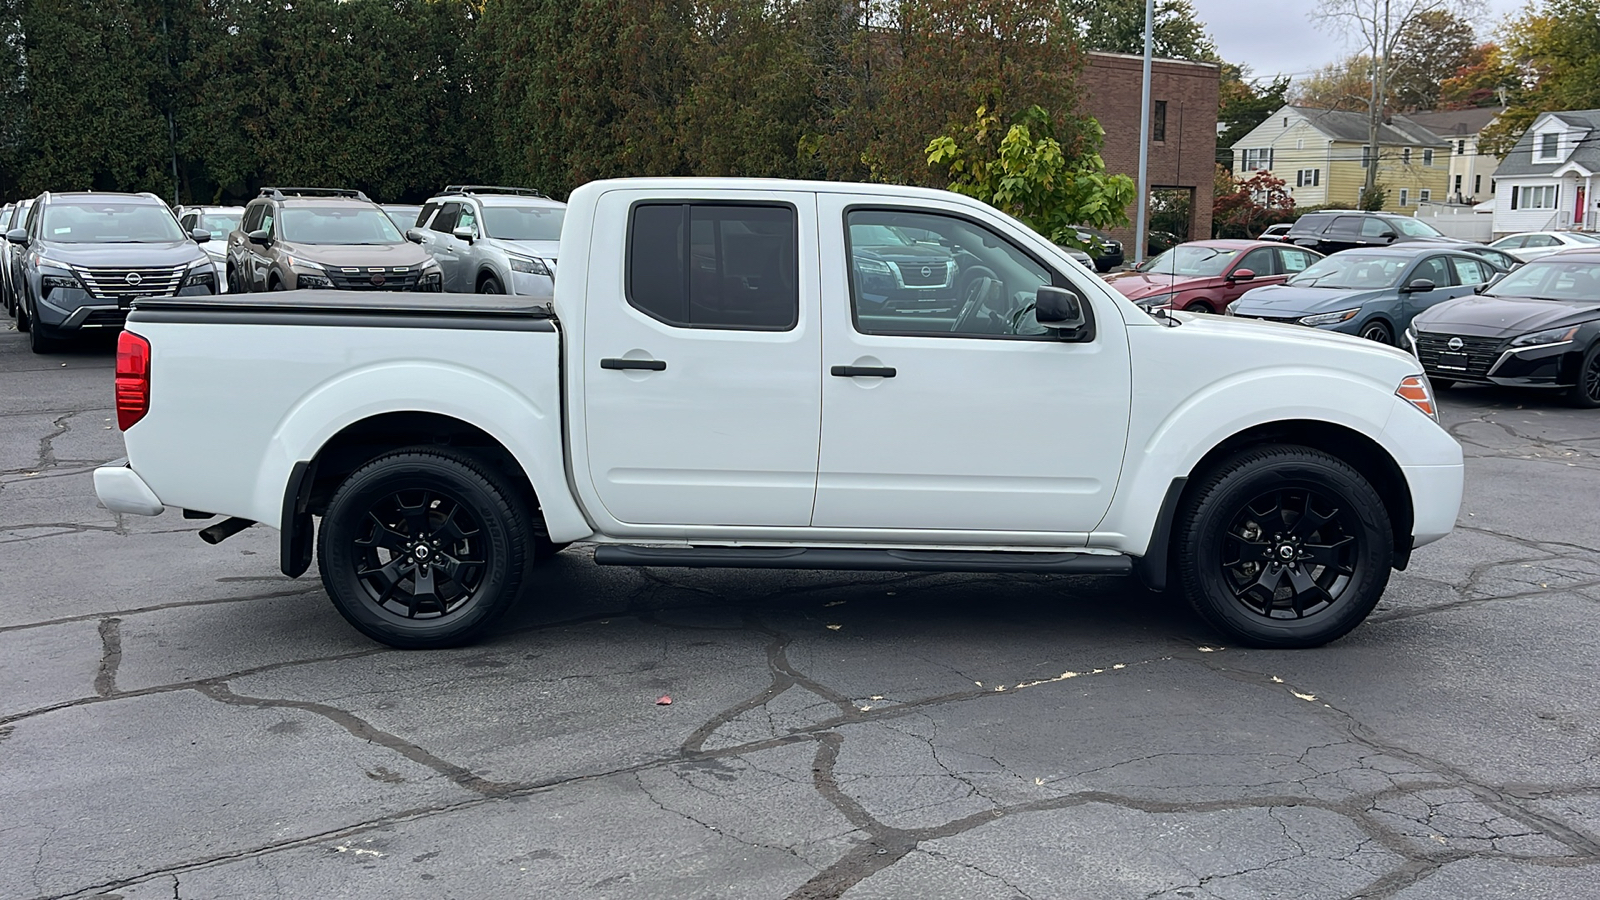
pixel 220 221
pixel 493 240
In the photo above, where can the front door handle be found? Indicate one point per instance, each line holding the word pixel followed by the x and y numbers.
pixel 653 365
pixel 863 371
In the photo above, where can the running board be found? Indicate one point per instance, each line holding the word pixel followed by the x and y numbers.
pixel 1068 563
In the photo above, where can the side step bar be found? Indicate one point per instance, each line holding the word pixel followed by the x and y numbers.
pixel 1067 563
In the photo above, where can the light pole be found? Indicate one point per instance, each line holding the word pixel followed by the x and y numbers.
pixel 1144 135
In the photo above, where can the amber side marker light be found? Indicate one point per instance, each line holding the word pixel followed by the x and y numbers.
pixel 133 379
pixel 1414 389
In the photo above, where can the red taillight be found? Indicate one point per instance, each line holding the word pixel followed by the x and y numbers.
pixel 133 379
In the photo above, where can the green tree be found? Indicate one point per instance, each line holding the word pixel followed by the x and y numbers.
pixel 1118 26
pixel 1244 103
pixel 1025 171
pixel 1555 45
pixel 1433 47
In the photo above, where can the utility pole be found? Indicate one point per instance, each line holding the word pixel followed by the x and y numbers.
pixel 1144 135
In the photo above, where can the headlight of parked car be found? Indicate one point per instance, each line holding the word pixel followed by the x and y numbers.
pixel 201 274
pixel 1159 300
pixel 1550 336
pixel 874 267
pixel 529 265
pixel 1333 318
pixel 1229 310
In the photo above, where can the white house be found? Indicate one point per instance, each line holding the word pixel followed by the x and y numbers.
pixel 1547 181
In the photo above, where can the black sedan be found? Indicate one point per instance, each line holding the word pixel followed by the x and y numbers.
pixel 1537 327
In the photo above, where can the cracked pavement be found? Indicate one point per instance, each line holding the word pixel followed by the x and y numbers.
pixel 179 720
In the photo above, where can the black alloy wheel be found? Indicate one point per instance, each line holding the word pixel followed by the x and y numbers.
pixel 1586 393
pixel 1284 546
pixel 424 548
pixel 1377 331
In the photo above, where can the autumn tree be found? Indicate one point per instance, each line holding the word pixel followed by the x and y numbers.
pixel 1555 47
pixel 1433 47
pixel 1241 207
pixel 1342 84
pixel 1481 80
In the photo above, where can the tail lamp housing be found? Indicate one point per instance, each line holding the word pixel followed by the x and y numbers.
pixel 133 379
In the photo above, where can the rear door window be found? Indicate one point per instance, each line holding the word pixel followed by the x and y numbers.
pixel 1294 260
pixel 1345 226
pixel 708 265
pixel 1469 271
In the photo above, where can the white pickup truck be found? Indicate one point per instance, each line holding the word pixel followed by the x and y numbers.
pixel 741 373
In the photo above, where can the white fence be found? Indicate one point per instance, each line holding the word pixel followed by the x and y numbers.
pixel 1461 222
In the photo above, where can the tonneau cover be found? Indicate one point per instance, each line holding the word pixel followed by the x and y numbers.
pixel 379 303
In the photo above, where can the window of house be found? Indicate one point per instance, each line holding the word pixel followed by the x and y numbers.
pixel 1458 184
pixel 1427 156
pixel 1461 146
pixel 1542 196
pixel 1547 145
pixel 1158 121
pixel 1405 156
pixel 1255 160
pixel 1366 156
pixel 1308 178
pixel 1424 195
pixel 708 265
pixel 1405 197
pixel 1477 184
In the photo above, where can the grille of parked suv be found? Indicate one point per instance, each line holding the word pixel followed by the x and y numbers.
pixel 106 283
pixel 105 318
pixel 361 278
pixel 1481 353
pixel 1287 320
pixel 912 274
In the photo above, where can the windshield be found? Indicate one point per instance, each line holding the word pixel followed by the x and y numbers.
pixel 338 225
pixel 1353 270
pixel 219 223
pixel 523 223
pixel 1190 260
pixel 1551 279
pixel 1414 227
pixel 109 223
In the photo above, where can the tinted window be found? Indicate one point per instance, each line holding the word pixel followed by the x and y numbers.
pixel 701 265
pixel 218 223
pixel 957 278
pixel 1311 223
pixel 1435 268
pixel 1511 243
pixel 338 225
pixel 427 210
pixel 109 222
pixel 445 222
pixel 1541 240
pixel 252 218
pixel 1375 228
pixel 1347 226
pixel 1259 261
pixel 1469 271
pixel 523 223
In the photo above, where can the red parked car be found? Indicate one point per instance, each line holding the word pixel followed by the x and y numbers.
pixel 1205 276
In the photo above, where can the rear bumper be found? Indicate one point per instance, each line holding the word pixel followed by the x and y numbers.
pixel 121 490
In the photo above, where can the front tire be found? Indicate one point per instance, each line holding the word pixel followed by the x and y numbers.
pixel 42 338
pixel 424 548
pixel 1284 547
pixel 1378 331
pixel 490 285
pixel 1586 393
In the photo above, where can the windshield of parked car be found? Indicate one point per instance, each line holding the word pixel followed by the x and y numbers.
pixel 337 225
pixel 109 223
pixel 523 223
pixel 1414 227
pixel 1190 261
pixel 219 223
pixel 1353 270
pixel 1551 279
pixel 879 236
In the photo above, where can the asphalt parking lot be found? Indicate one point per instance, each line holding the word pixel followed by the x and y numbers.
pixel 179 720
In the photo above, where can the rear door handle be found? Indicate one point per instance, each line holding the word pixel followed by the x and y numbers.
pixel 653 365
pixel 863 371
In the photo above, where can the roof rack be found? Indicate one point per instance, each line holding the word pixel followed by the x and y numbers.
pixel 489 189
pixel 278 193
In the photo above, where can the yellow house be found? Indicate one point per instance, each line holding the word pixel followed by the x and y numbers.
pixel 1322 155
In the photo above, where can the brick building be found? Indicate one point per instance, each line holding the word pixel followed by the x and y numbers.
pixel 1183 136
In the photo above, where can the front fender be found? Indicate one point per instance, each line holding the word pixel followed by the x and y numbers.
pixel 1170 445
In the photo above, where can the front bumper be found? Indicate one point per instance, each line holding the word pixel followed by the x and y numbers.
pixel 1435 500
pixel 121 490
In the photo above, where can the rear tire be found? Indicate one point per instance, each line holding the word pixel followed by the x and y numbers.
pixel 1284 547
pixel 450 586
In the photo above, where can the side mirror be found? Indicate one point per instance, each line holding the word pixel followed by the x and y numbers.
pixel 463 233
pixel 414 235
pixel 1493 280
pixel 17 236
pixel 1242 275
pixel 1059 309
pixel 1419 286
pixel 1388 236
pixel 200 235
pixel 259 236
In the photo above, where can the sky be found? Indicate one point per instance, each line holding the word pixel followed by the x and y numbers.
pixel 1279 38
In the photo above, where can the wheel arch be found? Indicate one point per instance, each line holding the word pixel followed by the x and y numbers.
pixel 312 482
pixel 1359 451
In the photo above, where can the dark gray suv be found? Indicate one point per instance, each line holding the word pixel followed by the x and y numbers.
pixel 86 256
